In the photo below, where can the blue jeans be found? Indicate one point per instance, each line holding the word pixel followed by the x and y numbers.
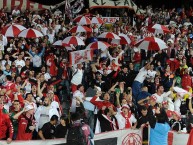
pixel 136 89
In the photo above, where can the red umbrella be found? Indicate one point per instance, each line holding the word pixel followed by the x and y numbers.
pixel 97 20
pixel 82 20
pixel 30 33
pixel 12 30
pixel 157 28
pixel 98 45
pixel 110 35
pixel 124 40
pixel 77 29
pixel 151 43
pixel 73 40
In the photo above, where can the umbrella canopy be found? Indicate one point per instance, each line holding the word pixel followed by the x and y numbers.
pixel 109 35
pixel 82 20
pixel 57 43
pixel 30 33
pixel 124 40
pixel 151 43
pixel 157 28
pixel 77 29
pixel 96 20
pixel 12 30
pixel 98 45
pixel 73 40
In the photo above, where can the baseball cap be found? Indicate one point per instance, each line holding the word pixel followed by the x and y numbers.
pixel 125 106
pixel 153 98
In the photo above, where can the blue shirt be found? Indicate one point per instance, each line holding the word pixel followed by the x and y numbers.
pixel 159 134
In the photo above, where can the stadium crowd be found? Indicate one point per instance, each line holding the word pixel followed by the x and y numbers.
pixel 40 89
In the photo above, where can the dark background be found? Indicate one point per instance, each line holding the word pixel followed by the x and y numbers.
pixel 154 3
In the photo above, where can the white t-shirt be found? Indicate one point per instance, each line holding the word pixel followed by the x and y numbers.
pixel 77 78
pixel 20 62
pixel 162 98
pixel 141 76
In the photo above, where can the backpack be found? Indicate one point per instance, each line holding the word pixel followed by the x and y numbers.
pixel 76 136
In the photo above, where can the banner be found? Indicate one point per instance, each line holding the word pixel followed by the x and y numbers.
pixel 80 56
pixel 110 19
pixel 22 5
pixel 115 4
pixel 119 137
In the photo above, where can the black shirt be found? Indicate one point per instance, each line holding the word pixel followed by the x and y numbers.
pixel 48 130
pixel 60 131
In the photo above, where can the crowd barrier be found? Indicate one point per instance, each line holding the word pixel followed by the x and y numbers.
pixel 119 137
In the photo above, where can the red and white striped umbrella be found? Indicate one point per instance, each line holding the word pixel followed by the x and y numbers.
pixel 124 40
pixel 30 33
pixel 57 43
pixel 109 35
pixel 96 20
pixel 151 43
pixel 98 45
pixel 77 29
pixel 73 40
pixel 82 20
pixel 160 29
pixel 12 30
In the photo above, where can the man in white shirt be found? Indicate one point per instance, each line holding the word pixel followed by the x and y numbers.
pixel 19 61
pixel 161 95
pixel 77 77
pixel 139 79
pixel 79 93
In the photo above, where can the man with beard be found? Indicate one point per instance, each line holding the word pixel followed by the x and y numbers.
pixel 44 113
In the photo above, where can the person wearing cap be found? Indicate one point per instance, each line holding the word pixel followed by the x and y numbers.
pixel 176 123
pixel 26 123
pixel 125 118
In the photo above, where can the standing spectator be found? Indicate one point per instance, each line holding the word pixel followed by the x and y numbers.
pixel 26 123
pixel 61 129
pixel 44 113
pixel 5 125
pixel 17 107
pixel 48 129
pixel 37 57
pixel 137 84
pixel 77 77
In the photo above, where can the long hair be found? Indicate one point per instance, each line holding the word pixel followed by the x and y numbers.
pixel 162 116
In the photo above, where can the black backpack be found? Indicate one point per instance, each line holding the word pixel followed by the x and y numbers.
pixel 76 136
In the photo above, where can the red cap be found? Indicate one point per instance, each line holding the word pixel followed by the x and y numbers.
pixel 164 102
pixel 125 106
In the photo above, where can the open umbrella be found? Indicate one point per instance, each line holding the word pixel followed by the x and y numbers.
pixel 73 40
pixel 151 43
pixel 110 35
pixel 77 29
pixel 12 30
pixel 82 20
pixel 57 43
pixel 96 20
pixel 157 28
pixel 124 40
pixel 30 33
pixel 98 45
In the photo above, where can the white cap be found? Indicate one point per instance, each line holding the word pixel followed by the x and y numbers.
pixel 28 107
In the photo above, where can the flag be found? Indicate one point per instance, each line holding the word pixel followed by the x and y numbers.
pixel 80 56
pixel 68 11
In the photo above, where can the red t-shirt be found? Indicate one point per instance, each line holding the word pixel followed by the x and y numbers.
pixel 23 123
